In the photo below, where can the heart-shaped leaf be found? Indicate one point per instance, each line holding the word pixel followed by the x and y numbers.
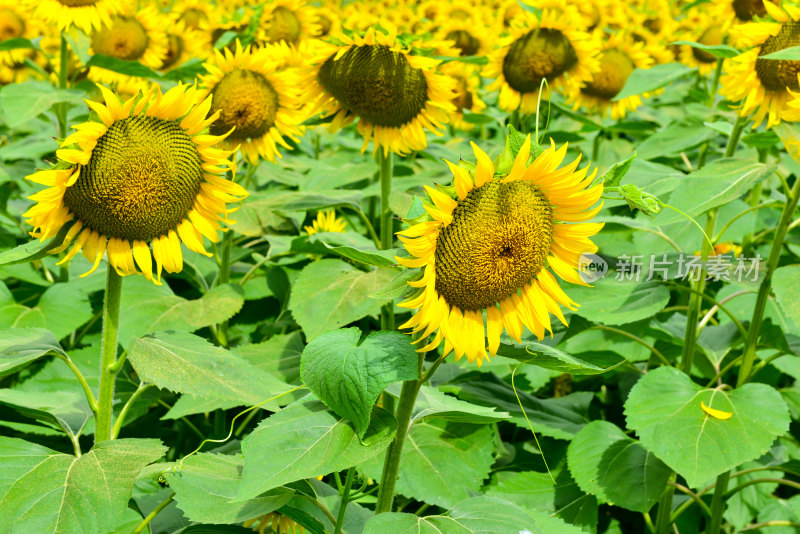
pixel 348 376
pixel 664 408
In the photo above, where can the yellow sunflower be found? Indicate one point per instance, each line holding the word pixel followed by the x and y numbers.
pixel 15 21
pixel 287 20
pixel 736 12
pixel 257 97
pixel 144 176
pixel 395 95
pixel 86 15
pixel 468 86
pixel 700 27
pixel 327 20
pixel 764 85
pixel 326 221
pixel 619 56
pixel 554 47
pixel 469 36
pixel 184 43
pixel 137 37
pixel 491 248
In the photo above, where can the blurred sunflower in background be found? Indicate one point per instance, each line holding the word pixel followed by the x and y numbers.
pixel 619 57
pixel 15 22
pixel 326 221
pixel 86 15
pixel 700 27
pixel 764 85
pixel 143 176
pixel 287 20
pixel 553 46
pixel 468 86
pixel 327 21
pixel 395 95
pixel 258 100
pixel 490 249
pixel 184 43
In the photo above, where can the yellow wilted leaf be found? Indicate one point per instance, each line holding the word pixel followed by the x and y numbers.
pixel 716 414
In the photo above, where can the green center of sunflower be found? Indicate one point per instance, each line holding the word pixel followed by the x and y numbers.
pixel 779 75
pixel 498 241
pixel 78 3
pixel 141 180
pixel 615 67
pixel 284 26
pixel 11 24
pixel 247 101
pixel 376 84
pixel 174 50
pixel 193 17
pixel 712 36
pixel 126 38
pixel 747 9
pixel 539 54
pixel 464 41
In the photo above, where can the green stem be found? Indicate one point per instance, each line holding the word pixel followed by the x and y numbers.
pixel 596 145
pixel 387 312
pixel 84 385
pixel 736 133
pixel 223 278
pixel 146 521
pixel 718 503
pixel 124 412
pixel 715 83
pixel 637 339
pixel 344 499
pixel 698 286
pixel 371 229
pixel 391 463
pixel 108 356
pixel 664 517
pixel 749 354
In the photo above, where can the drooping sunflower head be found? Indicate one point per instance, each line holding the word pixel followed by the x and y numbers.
pixel 491 251
pixel 553 48
pixel 143 177
pixel 326 221
pixel 469 35
pixel 395 95
pixel 618 59
pixel 468 90
pixel 764 85
pixel 257 99
pixel 86 15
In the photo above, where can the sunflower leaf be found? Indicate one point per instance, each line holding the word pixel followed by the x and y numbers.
pixel 613 176
pixel 34 250
pixel 123 66
pixel 646 80
pixel 348 376
pixel 20 346
pixel 787 54
pixel 720 51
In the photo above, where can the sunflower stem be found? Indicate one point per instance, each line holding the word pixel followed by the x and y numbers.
pixel 344 499
pixel 386 171
pixel 718 503
pixel 749 354
pixel 108 355
pixel 664 517
pixel 391 463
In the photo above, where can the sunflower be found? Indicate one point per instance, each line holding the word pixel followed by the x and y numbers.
pixel 86 15
pixel 468 85
pixel 553 47
pixel 469 36
pixel 736 11
pixel 137 37
pixel 327 20
pixel 184 43
pixel 704 30
pixel 257 97
pixel 326 221
pixel 618 58
pixel 287 20
pixel 395 95
pixel 144 176
pixel 764 85
pixel 15 21
pixel 491 248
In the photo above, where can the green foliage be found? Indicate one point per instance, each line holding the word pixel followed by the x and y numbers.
pixel 348 374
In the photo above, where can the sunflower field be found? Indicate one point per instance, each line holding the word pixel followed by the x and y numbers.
pixel 399 266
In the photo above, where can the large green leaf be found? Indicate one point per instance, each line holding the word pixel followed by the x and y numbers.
pixel 186 363
pixel 306 440
pixel 147 308
pixel 23 102
pixel 122 66
pixel 615 302
pixel 484 515
pixel 616 468
pixel 442 463
pixel 590 363
pixel 560 418
pixel 645 80
pixel 42 490
pixel 33 250
pixel 674 139
pixel 61 309
pixel 433 403
pixel 787 293
pixel 64 409
pixel 329 294
pixel 349 375
pixel 718 183
pixel 20 346
pixel 206 484
pixel 664 409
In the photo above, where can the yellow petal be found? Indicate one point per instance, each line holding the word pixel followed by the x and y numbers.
pixel 716 414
